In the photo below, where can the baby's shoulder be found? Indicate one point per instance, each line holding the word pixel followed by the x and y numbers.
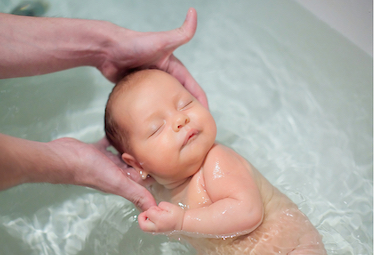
pixel 227 174
pixel 219 151
pixel 222 161
pixel 220 155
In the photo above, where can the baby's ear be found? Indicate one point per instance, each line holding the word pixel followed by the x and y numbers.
pixel 131 161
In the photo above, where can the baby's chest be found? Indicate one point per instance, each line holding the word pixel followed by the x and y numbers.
pixel 195 194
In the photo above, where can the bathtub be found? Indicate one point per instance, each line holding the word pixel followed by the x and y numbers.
pixel 288 92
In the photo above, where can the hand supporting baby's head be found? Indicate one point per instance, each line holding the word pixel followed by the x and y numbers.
pixel 158 126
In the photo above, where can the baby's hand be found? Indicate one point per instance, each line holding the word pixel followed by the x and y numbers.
pixel 162 218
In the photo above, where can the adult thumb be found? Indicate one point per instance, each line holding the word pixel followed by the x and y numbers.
pixel 183 34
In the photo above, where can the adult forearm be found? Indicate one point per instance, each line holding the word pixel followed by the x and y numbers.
pixel 38 45
pixel 67 161
pixel 24 161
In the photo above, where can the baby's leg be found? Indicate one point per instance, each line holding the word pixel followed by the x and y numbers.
pixel 287 231
pixel 310 243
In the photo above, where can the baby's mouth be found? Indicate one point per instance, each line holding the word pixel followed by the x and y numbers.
pixel 191 135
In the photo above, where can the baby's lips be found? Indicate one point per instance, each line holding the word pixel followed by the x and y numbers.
pixel 190 134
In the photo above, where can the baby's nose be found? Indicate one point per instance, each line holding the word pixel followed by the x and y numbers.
pixel 180 122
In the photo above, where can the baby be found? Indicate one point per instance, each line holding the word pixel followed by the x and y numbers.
pixel 162 131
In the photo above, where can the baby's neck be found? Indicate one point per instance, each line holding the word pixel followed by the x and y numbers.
pixel 170 193
pixel 183 182
pixel 178 184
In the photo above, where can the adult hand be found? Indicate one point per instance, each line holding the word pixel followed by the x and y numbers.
pixel 69 161
pixel 152 50
pixel 32 46
pixel 103 145
pixel 93 166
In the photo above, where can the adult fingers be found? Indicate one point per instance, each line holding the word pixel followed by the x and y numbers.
pixel 170 40
pixel 188 29
pixel 184 33
pixel 181 36
pixel 137 194
pixel 116 182
pixel 180 72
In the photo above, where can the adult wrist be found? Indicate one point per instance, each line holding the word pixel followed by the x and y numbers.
pixel 23 161
pixel 44 163
pixel 98 40
pixel 88 44
pixel 60 162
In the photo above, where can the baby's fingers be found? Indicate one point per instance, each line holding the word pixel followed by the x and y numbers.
pixel 145 223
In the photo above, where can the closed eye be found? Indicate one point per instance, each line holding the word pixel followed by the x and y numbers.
pixel 188 104
pixel 157 129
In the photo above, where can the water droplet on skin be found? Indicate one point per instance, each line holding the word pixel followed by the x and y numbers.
pixel 217 172
pixel 183 206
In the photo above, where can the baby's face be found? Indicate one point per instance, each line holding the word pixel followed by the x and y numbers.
pixel 170 131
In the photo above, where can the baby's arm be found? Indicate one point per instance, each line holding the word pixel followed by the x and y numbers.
pixel 237 205
pixel 236 201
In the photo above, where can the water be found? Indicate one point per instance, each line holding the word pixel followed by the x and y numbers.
pixel 288 93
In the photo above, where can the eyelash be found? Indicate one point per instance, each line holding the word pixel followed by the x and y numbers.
pixel 157 129
pixel 187 105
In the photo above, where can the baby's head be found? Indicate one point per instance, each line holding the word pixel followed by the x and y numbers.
pixel 158 126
